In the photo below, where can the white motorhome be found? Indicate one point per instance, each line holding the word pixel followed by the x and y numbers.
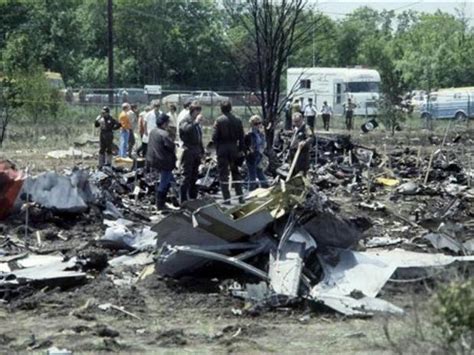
pixel 336 85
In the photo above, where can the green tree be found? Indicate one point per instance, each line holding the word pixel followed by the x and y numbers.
pixel 323 43
pixel 51 35
pixel 38 100
pixel 438 52
pixel 13 15
pixel 8 104
pixel 16 55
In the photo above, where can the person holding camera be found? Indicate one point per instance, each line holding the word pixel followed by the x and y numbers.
pixel 228 137
pixel 107 126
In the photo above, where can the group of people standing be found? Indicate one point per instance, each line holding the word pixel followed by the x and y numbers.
pixel 232 147
pixel 162 134
pixel 310 112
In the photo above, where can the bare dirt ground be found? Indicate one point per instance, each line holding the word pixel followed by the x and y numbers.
pixel 189 315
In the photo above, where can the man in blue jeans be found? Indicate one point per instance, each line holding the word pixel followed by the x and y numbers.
pixel 255 145
pixel 161 156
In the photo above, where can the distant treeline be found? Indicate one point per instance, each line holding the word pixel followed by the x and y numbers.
pixel 198 44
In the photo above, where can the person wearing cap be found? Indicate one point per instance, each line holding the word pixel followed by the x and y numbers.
pixel 107 126
pixel 255 145
pixel 161 157
pixel 310 114
pixel 190 133
pixel 125 130
pixel 228 137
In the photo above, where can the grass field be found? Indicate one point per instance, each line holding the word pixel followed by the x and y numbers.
pixel 76 122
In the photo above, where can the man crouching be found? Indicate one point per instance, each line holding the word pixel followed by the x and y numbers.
pixel 161 156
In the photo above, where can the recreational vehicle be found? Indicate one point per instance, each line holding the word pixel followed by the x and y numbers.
pixel 455 103
pixel 336 85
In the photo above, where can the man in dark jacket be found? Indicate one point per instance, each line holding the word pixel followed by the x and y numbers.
pixel 107 126
pixel 190 133
pixel 161 156
pixel 228 137
pixel 302 140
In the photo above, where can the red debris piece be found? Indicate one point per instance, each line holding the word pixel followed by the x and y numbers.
pixel 11 181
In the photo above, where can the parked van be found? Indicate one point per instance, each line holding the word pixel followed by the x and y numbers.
pixel 336 85
pixel 455 103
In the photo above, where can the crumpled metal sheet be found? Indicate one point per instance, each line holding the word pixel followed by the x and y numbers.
pixel 409 259
pixel 285 270
pixel 351 273
pixel 11 182
pixel 121 235
pixel 47 269
pixel 208 216
pixel 442 241
pixel 201 223
pixel 67 194
pixel 365 306
pixel 366 273
pixel 177 229
pixel 201 253
pixel 333 231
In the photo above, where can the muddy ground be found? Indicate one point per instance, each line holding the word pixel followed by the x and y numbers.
pixel 176 317
pixel 188 315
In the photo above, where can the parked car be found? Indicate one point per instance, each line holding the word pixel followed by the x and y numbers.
pixel 131 95
pixel 209 97
pixel 97 97
pixel 177 99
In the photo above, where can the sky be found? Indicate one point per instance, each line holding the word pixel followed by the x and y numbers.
pixel 338 8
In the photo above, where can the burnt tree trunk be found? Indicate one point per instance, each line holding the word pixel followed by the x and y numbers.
pixel 277 31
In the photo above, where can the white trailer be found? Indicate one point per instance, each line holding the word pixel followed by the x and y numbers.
pixel 336 85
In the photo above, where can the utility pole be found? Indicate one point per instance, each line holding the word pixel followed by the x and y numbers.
pixel 110 50
pixel 312 30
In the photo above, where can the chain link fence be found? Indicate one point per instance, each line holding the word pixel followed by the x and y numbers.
pixel 80 106
pixel 244 103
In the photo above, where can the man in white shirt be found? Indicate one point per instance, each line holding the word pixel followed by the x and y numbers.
pixel 310 114
pixel 141 152
pixel 150 120
pixel 173 127
pixel 326 112
pixel 182 115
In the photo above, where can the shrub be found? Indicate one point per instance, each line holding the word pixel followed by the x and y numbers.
pixel 454 311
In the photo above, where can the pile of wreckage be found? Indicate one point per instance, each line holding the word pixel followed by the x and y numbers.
pixel 289 242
